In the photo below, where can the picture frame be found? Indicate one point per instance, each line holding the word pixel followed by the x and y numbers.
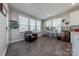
pixel 3 9
pixel 0 6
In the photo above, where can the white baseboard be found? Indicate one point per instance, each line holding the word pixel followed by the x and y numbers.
pixel 4 52
pixel 15 41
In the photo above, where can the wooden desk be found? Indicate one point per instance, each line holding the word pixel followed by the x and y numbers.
pixel 65 36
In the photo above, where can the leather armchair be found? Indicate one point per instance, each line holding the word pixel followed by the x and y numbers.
pixel 30 37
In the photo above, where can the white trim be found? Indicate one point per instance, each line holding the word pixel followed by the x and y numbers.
pixel 5 50
pixel 15 41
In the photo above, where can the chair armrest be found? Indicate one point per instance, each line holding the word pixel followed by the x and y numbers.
pixel 34 34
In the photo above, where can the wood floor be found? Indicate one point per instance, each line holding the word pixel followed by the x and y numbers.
pixel 44 46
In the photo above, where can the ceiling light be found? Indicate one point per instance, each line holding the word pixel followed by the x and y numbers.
pixel 73 3
pixel 48 14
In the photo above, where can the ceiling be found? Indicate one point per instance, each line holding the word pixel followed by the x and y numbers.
pixel 41 10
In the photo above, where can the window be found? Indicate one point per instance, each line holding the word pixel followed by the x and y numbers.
pixel 38 26
pixel 26 24
pixel 32 25
pixel 53 25
pixel 23 24
pixel 57 24
pixel 35 25
pixel 48 23
pixel 23 28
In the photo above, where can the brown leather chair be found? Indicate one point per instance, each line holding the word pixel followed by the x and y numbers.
pixel 65 36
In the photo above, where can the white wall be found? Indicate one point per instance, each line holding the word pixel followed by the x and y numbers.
pixel 74 16
pixel 14 33
pixel 66 17
pixel 3 32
